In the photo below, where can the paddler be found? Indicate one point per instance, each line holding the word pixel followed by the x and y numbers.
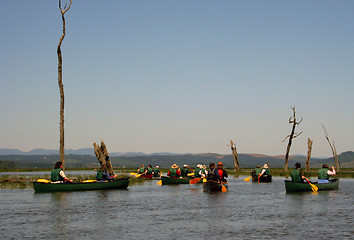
pixel 297 174
pixel 156 172
pixel 57 175
pixel 103 175
pixel 324 173
pixel 185 170
pixel 174 171
pixel 221 172
pixel 257 171
pixel 265 171
pixel 142 170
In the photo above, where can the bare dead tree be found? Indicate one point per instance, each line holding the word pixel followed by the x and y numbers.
pixel 309 150
pixel 103 156
pixel 235 155
pixel 292 120
pixel 333 148
pixel 60 83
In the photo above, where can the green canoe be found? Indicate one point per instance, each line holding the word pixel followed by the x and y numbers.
pixel 61 187
pixel 167 181
pixel 304 186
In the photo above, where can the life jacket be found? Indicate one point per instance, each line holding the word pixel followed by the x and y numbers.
pixel 149 171
pixel 296 175
pixel 196 173
pixel 221 174
pixel 173 173
pixel 266 171
pixel 141 170
pixel 99 175
pixel 322 173
pixel 55 175
pixel 156 172
pixel 257 170
pixel 184 172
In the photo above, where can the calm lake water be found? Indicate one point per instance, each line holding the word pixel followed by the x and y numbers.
pixel 149 211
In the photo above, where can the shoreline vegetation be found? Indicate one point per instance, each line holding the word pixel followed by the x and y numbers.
pixel 21 181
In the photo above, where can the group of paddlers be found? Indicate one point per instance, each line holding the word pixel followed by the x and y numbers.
pixel 324 173
pixel 154 172
pixel 215 173
pixel 261 171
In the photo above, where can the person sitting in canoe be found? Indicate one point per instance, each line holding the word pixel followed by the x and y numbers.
pixel 264 171
pixel 257 171
pixel 204 171
pixel 186 170
pixel 142 170
pixel 103 175
pixel 211 176
pixel 324 173
pixel 57 175
pixel 198 171
pixel 297 174
pixel 156 172
pixel 221 173
pixel 149 170
pixel 174 171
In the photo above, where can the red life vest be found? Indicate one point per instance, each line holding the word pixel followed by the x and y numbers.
pixel 221 174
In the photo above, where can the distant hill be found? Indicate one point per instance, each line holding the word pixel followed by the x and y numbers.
pixel 85 158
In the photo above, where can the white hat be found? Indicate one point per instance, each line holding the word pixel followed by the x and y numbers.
pixel 185 165
pixel 265 166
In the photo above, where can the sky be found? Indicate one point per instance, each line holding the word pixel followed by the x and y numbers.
pixel 179 76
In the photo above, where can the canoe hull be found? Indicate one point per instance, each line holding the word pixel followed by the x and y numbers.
pixel 210 186
pixel 301 187
pixel 146 176
pixel 169 181
pixel 263 178
pixel 64 187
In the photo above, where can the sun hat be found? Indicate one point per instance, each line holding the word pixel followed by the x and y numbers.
pixel 265 166
pixel 185 165
pixel 174 166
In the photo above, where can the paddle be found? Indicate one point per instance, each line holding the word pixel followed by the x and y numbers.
pixel 194 180
pixel 133 173
pixel 247 179
pixel 223 188
pixel 43 180
pixel 89 181
pixel 190 174
pixel 313 187
pixel 159 182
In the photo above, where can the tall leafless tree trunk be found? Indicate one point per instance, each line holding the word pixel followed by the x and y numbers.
pixel 235 155
pixel 309 150
pixel 333 148
pixel 292 120
pixel 61 87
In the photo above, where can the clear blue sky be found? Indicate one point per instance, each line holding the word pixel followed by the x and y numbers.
pixel 178 76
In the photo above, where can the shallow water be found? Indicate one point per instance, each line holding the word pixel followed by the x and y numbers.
pixel 247 210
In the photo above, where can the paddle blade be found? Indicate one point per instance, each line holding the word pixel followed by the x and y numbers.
pixel 194 180
pixel 223 188
pixel 247 179
pixel 43 180
pixel 190 174
pixel 89 181
pixel 204 180
pixel 314 188
pixel 133 173
pixel 159 182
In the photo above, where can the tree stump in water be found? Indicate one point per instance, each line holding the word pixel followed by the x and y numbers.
pixel 103 156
